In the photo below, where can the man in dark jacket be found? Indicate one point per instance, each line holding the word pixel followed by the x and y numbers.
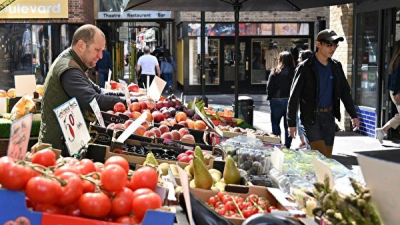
pixel 318 87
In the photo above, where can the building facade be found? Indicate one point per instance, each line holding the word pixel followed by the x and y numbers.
pixel 33 33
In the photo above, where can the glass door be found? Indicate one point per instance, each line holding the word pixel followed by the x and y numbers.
pixel 228 68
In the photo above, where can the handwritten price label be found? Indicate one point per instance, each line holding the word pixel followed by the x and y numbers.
pixel 19 138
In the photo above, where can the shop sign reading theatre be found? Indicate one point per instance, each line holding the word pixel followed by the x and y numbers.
pixel 134 15
pixel 28 9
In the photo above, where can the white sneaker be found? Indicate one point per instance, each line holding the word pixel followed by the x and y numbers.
pixel 380 134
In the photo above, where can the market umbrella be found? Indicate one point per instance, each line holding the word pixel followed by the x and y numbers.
pixel 228 5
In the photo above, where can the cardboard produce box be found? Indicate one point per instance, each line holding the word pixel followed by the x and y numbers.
pixel 40 146
pixel 273 195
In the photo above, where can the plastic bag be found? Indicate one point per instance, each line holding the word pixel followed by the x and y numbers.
pixel 24 106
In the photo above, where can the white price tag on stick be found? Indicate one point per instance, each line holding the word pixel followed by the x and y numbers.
pixel 323 170
pixel 97 112
pixel 124 87
pixel 122 138
pixel 19 137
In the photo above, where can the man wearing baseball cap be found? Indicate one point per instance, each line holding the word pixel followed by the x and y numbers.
pixel 318 87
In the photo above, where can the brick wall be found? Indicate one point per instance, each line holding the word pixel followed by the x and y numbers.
pixel 80 12
pixel 341 21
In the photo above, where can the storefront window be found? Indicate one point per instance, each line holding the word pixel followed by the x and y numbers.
pixel 211 63
pixel 112 6
pixel 265 53
pixel 367 67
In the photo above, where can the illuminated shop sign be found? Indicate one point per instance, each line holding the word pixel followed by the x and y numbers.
pixel 139 15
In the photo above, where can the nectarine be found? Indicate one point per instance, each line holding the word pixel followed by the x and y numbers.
pixel 200 125
pixel 140 130
pixel 163 128
pixel 176 135
pixel 183 131
pixel 180 116
pixel 149 134
pixel 135 107
pixel 167 135
pixel 156 131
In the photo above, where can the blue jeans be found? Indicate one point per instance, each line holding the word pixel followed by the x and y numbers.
pixel 278 110
pixel 168 78
pixel 103 76
pixel 300 131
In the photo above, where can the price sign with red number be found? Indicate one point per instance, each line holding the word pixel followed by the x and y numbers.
pixel 73 125
pixel 19 138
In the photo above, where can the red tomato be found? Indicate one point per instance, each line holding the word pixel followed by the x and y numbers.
pixel 87 166
pixel 96 205
pixel 119 161
pixel 185 159
pixel 66 168
pixel 189 152
pixel 43 190
pixel 141 191
pixel 220 210
pixel 142 203
pixel 128 220
pixel 122 202
pixel 45 157
pixel 68 160
pixel 220 195
pixel 271 208
pixel 253 198
pixel 88 186
pixel 144 177
pixel 73 210
pixel 212 200
pixel 229 205
pixel 248 212
pixel 181 155
pixel 49 208
pixel 113 177
pixel 71 192
pixel 14 176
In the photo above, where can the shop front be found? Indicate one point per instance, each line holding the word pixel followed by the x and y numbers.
pixel 33 33
pixel 377 28
pixel 260 45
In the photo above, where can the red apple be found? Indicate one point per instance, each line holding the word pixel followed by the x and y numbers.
pixel 135 107
pixel 114 85
pixel 176 135
pixel 158 117
pixel 119 107
pixel 159 105
pixel 163 129
pixel 133 87
pixel 166 104
pixel 167 135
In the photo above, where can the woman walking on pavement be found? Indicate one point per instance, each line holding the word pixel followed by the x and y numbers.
pixel 394 92
pixel 278 90
pixel 303 56
pixel 168 67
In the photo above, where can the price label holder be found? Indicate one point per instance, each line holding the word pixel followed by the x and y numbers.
pixel 73 125
pixel 19 137
pixel 323 170
pixel 185 188
pixel 131 128
pixel 124 88
pixel 97 112
pixel 277 158
pixel 156 88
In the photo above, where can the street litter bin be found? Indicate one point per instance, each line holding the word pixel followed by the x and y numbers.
pixel 246 109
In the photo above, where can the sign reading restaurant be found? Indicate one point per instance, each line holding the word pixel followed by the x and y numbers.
pixel 134 15
pixel 28 9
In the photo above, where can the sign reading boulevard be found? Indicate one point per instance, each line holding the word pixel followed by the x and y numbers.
pixel 28 9
pixel 73 125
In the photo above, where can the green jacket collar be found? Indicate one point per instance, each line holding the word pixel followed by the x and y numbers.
pixel 78 60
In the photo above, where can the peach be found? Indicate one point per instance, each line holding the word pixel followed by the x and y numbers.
pixel 167 135
pixel 128 114
pixel 156 131
pixel 119 126
pixel 183 131
pixel 149 116
pixel 190 123
pixel 184 123
pixel 140 130
pixel 136 115
pixel 127 123
pixel 176 135
pixel 164 128
pixel 146 125
pixel 188 136
pixel 171 121
pixel 110 111
pixel 111 126
pixel 149 134
pixel 143 105
pixel 135 107
pixel 180 116
pixel 164 122
pixel 158 117
pixel 200 125
pixel 150 105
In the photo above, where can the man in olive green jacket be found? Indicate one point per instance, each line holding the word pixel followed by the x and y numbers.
pixel 67 79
